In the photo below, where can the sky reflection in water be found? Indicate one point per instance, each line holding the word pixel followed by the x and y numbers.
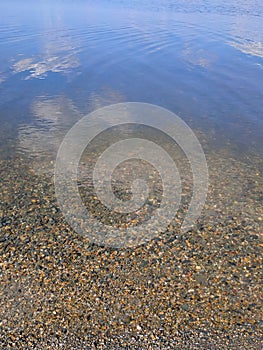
pixel 61 60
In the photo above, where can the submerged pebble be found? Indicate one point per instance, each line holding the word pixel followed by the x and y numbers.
pixel 197 290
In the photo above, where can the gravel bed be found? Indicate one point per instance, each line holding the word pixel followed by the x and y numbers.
pixel 197 290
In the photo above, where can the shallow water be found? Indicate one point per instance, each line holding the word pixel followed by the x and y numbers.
pixel 202 61
pixel 60 60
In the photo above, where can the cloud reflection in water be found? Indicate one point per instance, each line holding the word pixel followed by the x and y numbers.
pixel 40 140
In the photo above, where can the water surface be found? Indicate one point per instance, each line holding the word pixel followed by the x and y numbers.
pixel 202 60
pixel 60 60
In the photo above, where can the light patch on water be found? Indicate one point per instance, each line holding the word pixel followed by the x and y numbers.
pixel 2 78
pixel 59 55
pixel 247 36
pixel 198 57
pixel 39 69
pixel 40 140
pixel 250 48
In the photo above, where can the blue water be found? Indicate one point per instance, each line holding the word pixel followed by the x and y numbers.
pixel 60 60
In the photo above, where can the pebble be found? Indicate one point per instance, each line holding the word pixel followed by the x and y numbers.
pixel 195 290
